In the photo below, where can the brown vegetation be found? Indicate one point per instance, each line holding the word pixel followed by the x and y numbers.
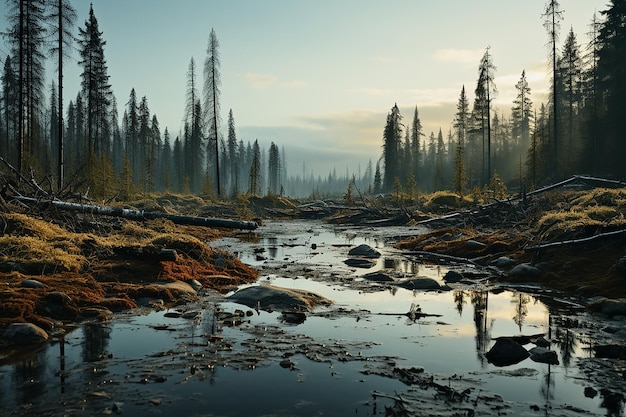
pixel 89 264
pixel 565 219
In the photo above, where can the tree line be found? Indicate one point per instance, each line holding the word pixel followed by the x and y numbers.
pixel 86 139
pixel 577 130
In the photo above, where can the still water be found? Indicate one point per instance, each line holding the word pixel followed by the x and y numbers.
pixel 145 363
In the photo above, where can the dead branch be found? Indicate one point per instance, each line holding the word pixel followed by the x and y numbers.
pixel 578 241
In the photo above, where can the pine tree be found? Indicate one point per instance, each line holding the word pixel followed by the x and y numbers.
pixel 212 83
pixel 391 144
pixel 570 77
pixel 460 126
pixel 233 161
pixel 274 169
pixel 254 177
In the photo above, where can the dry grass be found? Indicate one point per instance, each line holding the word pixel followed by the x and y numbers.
pixel 107 266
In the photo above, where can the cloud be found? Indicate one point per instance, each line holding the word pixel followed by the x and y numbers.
pixel 259 81
pixel 459 56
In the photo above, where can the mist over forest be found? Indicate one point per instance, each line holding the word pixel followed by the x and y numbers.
pixel 117 147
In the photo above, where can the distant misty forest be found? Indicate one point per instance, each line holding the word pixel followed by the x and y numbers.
pixel 80 141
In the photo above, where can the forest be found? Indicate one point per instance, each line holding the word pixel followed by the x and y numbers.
pixel 80 142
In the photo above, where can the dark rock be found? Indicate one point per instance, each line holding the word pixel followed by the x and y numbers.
pixel 360 263
pixel 544 266
pixel 57 297
pixel 504 262
pixel 268 297
pixel 364 250
pixel 524 271
pixel 474 245
pixel 609 307
pixel 11 266
pixel 620 265
pixel 295 317
pixel 21 334
pixel 32 283
pixel 542 342
pixel 506 352
pixel 453 276
pixel 610 351
pixel 378 277
pixel 420 284
pixel 168 255
pixel 543 355
pixel 590 392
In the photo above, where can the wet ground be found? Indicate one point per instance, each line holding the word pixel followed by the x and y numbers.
pixel 361 356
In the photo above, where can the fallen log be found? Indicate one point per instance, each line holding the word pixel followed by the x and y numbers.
pixel 142 214
pixel 600 236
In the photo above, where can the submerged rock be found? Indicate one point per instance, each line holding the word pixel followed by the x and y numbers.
pixel 543 355
pixel 21 334
pixel 506 352
pixel 269 297
pixel 364 250
pixel 360 263
pixel 453 276
pixel 378 277
pixel 420 284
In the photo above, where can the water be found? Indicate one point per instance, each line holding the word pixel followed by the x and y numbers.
pixel 144 363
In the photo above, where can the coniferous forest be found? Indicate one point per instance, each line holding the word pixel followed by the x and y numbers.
pixel 62 139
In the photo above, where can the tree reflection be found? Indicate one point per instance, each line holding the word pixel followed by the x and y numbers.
pixel 521 301
pixel 97 337
pixel 567 342
pixel 547 387
pixel 613 402
pixel 480 302
pixel 459 301
pixel 29 376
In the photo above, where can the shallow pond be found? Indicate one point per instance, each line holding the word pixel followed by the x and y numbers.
pixel 342 360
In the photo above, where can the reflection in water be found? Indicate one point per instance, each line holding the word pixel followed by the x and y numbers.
pixel 567 343
pixel 459 301
pixel 97 337
pixel 521 301
pixel 272 248
pixel 29 376
pixel 480 302
pixel 613 402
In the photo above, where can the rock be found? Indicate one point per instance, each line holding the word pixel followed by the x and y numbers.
pixel 378 277
pixel 11 266
pixel 544 266
pixel 294 317
pixel 21 334
pixel 453 276
pixel 543 355
pixel 420 284
pixel 590 392
pixel 190 314
pixel 474 245
pixel 32 283
pixel 610 351
pixel 168 255
pixel 504 262
pixel 524 271
pixel 542 342
pixel 364 250
pixel 360 263
pixel 609 307
pixel 57 297
pixel 195 284
pixel 620 265
pixel 506 352
pixel 268 297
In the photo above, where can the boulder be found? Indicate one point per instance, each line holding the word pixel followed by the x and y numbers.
pixel 32 283
pixel 610 351
pixel 544 355
pixel 21 334
pixel 365 251
pixel 620 265
pixel 453 276
pixel 506 352
pixel 360 263
pixel 420 284
pixel 270 297
pixel 378 277
pixel 524 271
pixel 504 262
pixel 609 307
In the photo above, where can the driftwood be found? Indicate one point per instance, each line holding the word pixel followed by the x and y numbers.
pixel 142 214
pixel 600 236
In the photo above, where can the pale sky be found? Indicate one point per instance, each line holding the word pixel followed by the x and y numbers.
pixel 319 77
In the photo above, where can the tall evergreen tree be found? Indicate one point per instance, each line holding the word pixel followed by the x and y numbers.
pixel 611 76
pixel 521 114
pixel 461 122
pixel 254 176
pixel 392 137
pixel 95 86
pixel 233 160
pixel 212 81
pixel 552 22
pixel 570 81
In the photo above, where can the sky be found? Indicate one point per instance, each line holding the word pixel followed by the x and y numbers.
pixel 318 78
